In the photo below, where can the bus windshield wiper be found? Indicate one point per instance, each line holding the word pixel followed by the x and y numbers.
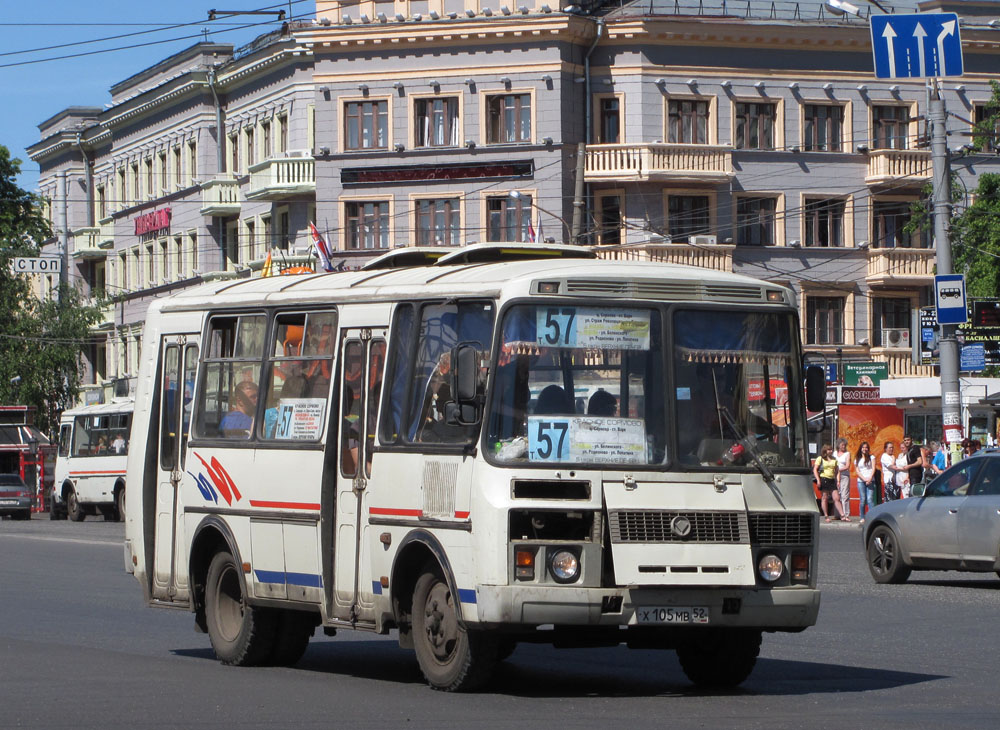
pixel 749 444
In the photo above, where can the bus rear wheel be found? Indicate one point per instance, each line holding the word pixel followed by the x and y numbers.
pixel 720 658
pixel 74 510
pixel 452 657
pixel 120 503
pixel 240 634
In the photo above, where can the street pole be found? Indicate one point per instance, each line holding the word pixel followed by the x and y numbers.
pixel 62 193
pixel 951 414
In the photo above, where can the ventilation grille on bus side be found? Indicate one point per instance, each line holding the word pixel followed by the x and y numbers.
pixel 671 291
pixel 655 526
pixel 781 528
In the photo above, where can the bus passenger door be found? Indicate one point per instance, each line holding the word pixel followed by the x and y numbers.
pixel 362 364
pixel 179 358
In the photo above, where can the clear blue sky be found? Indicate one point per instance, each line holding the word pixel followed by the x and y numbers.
pixel 32 92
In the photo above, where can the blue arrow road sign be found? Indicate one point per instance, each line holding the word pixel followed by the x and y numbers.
pixel 917 45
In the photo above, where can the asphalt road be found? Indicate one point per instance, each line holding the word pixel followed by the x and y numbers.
pixel 79 650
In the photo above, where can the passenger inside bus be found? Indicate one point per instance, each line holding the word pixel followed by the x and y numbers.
pixel 553 401
pixel 602 403
pixel 238 423
pixel 349 436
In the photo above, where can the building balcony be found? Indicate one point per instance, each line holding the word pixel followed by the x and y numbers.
pixel 277 179
pixel 898 167
pixel 715 257
pixel 106 237
pixel 900 363
pixel 900 267
pixel 108 310
pixel 87 243
pixel 665 162
pixel 220 196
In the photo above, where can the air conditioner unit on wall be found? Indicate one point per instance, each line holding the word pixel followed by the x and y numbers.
pixel 896 337
pixel 704 240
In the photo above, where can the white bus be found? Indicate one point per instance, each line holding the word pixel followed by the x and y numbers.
pixel 90 466
pixel 514 444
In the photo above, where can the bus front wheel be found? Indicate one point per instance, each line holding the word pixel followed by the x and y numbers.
pixel 452 657
pixel 240 634
pixel 74 509
pixel 720 659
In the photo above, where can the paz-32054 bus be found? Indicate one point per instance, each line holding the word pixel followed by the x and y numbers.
pixel 508 445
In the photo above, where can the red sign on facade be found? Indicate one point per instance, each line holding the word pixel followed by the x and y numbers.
pixel 157 220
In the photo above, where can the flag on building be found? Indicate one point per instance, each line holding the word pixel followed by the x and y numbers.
pixel 266 269
pixel 322 250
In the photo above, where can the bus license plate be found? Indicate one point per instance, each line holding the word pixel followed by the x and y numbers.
pixel 671 615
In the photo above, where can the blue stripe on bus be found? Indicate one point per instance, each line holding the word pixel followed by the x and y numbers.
pixel 466 595
pixel 309 580
pixel 377 587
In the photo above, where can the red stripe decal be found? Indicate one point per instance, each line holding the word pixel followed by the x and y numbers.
pixel 462 515
pixel 99 471
pixel 396 512
pixel 284 505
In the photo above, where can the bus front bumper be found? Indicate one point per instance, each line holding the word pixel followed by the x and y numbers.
pixel 777 609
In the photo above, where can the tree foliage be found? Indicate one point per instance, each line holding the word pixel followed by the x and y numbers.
pixel 975 239
pixel 40 340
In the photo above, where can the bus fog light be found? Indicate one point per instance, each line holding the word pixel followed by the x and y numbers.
pixel 524 563
pixel 800 566
pixel 770 567
pixel 564 565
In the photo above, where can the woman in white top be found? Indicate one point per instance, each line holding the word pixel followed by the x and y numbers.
pixel 903 474
pixel 865 464
pixel 889 486
pixel 843 457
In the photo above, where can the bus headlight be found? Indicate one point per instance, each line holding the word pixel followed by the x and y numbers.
pixel 564 566
pixel 770 567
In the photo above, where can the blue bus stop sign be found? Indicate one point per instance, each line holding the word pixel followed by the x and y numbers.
pixel 949 298
pixel 916 45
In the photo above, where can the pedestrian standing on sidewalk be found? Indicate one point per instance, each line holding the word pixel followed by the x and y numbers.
pixel 825 471
pixel 916 461
pixel 865 464
pixel 938 463
pixel 843 457
pixel 890 487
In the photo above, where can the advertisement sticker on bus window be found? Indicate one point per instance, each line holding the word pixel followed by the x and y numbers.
pixel 300 419
pixel 587 440
pixel 596 328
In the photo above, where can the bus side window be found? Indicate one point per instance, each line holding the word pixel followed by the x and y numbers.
pixel 227 404
pixel 376 368
pixel 65 435
pixel 352 395
pixel 168 407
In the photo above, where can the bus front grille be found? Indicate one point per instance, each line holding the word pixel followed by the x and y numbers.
pixel 678 526
pixel 781 528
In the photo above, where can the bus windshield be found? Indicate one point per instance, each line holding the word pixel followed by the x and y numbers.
pixel 578 384
pixel 738 389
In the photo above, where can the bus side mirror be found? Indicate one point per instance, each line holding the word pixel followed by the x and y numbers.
pixel 464 409
pixel 815 389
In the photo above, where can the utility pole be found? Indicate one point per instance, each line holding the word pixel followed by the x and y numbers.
pixel 62 192
pixel 951 414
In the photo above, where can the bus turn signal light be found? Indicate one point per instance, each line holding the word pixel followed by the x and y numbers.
pixel 524 563
pixel 800 567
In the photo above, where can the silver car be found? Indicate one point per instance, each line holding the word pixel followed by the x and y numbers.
pixel 950 523
pixel 15 497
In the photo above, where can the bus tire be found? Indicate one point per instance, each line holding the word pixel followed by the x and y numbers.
pixel 74 510
pixel 241 634
pixel 451 657
pixel 120 503
pixel 55 511
pixel 291 637
pixel 721 658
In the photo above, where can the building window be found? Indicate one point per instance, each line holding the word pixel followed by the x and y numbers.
pixel 193 262
pixel 688 121
pixel 150 188
pixel 509 219
pixel 178 173
pixel 122 196
pixel 436 122
pixel 150 267
pixel 232 245
pixel 164 177
pixel 888 222
pixel 265 133
pixel 824 125
pixel 192 162
pixel 509 118
pixel 924 428
pixel 755 221
pixel 755 126
pixel 609 120
pixel 687 215
pixel 282 133
pixel 823 222
pixel 825 321
pixel 367 225
pixel 891 320
pixel 251 229
pixel 135 188
pixel 234 153
pixel 366 125
pixel 988 126
pixel 102 203
pixel 438 222
pixel 891 127
pixel 609 220
pixel 284 230
pixel 251 158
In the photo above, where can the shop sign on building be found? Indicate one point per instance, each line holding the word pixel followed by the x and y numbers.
pixel 865 373
pixel 860 394
pixel 152 222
